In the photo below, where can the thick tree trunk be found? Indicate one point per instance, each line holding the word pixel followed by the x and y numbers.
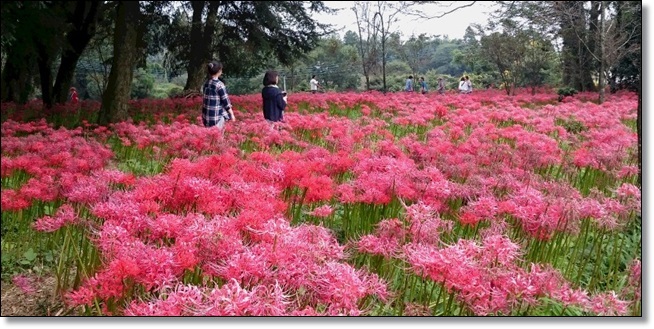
pixel 16 76
pixel 201 43
pixel 44 62
pixel 576 58
pixel 85 19
pixel 117 95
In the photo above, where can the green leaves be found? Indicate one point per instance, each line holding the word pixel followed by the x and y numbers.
pixel 29 255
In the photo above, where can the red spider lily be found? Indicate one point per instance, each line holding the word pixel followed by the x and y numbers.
pixel 322 211
pixel 65 215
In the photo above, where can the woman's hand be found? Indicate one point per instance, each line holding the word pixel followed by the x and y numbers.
pixel 285 98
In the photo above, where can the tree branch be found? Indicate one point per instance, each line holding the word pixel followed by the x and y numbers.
pixel 427 17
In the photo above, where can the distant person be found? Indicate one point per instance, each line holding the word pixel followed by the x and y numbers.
pixel 409 84
pixel 441 86
pixel 314 84
pixel 423 85
pixel 463 87
pixel 72 96
pixel 468 85
pixel 216 107
pixel 274 99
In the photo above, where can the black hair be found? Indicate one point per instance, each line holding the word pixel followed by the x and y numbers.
pixel 214 67
pixel 270 78
pixel 422 78
pixel 411 77
pixel 313 76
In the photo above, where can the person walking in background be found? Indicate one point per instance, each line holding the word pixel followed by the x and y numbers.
pixel 314 84
pixel 463 88
pixel 274 99
pixel 72 95
pixel 216 107
pixel 468 85
pixel 441 86
pixel 423 85
pixel 409 84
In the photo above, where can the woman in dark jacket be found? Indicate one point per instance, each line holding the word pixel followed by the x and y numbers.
pixel 274 99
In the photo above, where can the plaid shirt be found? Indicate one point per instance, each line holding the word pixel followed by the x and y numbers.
pixel 215 103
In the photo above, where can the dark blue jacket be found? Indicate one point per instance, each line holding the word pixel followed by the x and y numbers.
pixel 273 103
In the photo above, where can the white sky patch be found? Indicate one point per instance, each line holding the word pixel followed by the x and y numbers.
pixel 453 25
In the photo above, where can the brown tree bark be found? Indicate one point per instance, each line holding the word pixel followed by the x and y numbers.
pixel 201 42
pixel 576 58
pixel 116 97
pixel 84 23
pixel 17 74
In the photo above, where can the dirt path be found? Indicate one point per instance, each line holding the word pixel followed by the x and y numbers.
pixel 41 302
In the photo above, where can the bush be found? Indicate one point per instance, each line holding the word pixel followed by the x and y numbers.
pixel 565 91
pixel 142 84
pixel 165 90
pixel 174 91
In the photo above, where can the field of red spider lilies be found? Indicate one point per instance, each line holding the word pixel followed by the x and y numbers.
pixel 360 204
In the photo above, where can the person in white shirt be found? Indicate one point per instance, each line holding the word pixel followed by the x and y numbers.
pixel 314 84
pixel 463 87
pixel 468 85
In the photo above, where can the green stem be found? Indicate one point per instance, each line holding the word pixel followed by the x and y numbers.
pixel 598 261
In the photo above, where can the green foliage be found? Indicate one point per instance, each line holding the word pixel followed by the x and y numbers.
pixel 248 34
pixel 566 91
pixel 165 90
pixel 398 68
pixel 142 84
pixel 242 85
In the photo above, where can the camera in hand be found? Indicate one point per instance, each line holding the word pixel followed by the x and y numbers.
pixel 284 93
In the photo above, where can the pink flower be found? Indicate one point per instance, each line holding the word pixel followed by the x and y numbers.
pixel 322 211
pixel 608 304
pixel 24 283
pixel 65 215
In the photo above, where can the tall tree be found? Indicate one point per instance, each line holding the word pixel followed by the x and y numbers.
pixel 19 20
pixel 368 46
pixel 243 34
pixel 201 41
pixel 608 42
pixel 115 98
pixel 47 34
pixel 507 51
pixel 83 22
pixel 415 51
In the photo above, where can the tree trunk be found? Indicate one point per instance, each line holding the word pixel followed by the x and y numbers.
pixel 84 26
pixel 601 53
pixel 44 62
pixel 576 58
pixel 16 77
pixel 201 43
pixel 384 57
pixel 117 95
pixel 585 64
pixel 363 57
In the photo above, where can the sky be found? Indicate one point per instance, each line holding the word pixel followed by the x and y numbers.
pixel 453 25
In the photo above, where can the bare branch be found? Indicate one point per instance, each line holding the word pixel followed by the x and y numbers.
pixel 420 14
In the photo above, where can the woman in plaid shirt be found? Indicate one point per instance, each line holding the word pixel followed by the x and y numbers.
pixel 216 107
